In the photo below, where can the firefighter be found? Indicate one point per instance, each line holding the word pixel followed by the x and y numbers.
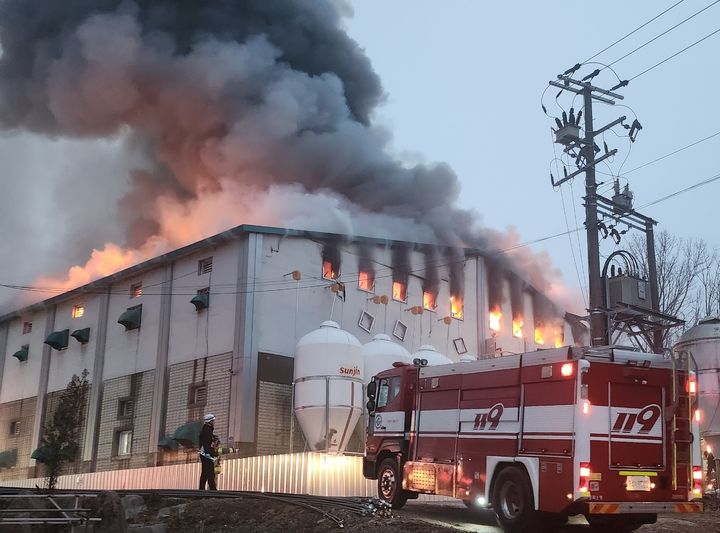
pixel 208 453
pixel 711 472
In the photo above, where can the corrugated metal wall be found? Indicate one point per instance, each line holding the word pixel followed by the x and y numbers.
pixel 302 473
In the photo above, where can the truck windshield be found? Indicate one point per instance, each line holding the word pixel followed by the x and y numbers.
pixel 388 390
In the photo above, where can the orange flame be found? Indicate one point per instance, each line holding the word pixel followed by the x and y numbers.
pixel 559 339
pixel 328 270
pixel 457 309
pixel 517 327
pixel 429 300
pixel 539 336
pixel 494 318
pixel 366 281
pixel 399 291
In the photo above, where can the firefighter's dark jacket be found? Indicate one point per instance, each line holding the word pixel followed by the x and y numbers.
pixel 206 441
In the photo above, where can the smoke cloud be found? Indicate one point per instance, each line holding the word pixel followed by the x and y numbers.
pixel 221 107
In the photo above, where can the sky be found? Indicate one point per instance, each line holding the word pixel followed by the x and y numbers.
pixel 463 81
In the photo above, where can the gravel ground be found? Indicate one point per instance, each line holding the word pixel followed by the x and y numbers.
pixel 262 516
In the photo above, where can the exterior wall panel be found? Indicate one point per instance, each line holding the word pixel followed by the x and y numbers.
pixel 129 352
pixel 20 379
pixel 209 331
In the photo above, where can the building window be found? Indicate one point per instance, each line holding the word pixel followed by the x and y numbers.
pixel 14 428
pixel 136 290
pixel 399 291
pixel 330 270
pixel 197 395
pixel 126 407
pixel 457 307
pixel 78 310
pixel 205 266
pixel 366 281
pixel 430 300
pixel 123 442
pixel 27 328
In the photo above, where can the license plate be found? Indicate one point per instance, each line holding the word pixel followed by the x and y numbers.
pixel 641 483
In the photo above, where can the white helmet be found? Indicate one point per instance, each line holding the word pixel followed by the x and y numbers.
pixel 209 418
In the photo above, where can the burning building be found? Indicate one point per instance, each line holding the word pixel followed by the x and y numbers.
pixel 212 327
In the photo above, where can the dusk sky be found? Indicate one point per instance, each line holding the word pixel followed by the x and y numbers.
pixel 463 85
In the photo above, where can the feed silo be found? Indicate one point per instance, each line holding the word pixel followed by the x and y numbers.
pixel 380 353
pixel 431 355
pixel 703 342
pixel 328 386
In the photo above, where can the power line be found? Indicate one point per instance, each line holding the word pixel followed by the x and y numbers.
pixel 681 191
pixel 674 55
pixel 663 33
pixel 673 153
pixel 635 30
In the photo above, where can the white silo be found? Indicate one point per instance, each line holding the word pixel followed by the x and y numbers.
pixel 328 386
pixel 380 353
pixel 703 342
pixel 431 355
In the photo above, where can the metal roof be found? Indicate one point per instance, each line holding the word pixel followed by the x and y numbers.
pixel 707 328
pixel 102 284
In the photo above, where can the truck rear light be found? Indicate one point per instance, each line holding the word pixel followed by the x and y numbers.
pixel 567 369
pixel 697 475
pixel 692 385
pixel 584 482
pixel 586 407
pixel 697 415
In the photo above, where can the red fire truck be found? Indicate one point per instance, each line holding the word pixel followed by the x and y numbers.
pixel 607 433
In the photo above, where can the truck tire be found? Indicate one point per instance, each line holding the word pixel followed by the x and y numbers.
pixel 390 484
pixel 512 501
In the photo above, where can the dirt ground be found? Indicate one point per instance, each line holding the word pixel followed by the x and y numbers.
pixel 151 513
pixel 263 516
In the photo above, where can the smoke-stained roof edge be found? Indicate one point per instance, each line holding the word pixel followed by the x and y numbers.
pixel 103 284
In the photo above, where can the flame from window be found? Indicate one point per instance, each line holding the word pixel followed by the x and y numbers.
pixel 494 318
pixel 366 281
pixel 329 271
pixel 549 334
pixel 399 291
pixel 518 327
pixel 457 309
pixel 429 300
pixel 78 311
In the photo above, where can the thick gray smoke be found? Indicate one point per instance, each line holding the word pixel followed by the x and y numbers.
pixel 258 92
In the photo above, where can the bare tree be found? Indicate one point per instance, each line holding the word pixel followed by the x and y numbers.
pixel 688 278
pixel 60 441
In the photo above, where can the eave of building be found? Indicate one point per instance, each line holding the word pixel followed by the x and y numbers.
pixel 101 285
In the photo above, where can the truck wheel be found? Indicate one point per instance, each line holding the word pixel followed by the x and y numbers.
pixel 390 484
pixel 512 500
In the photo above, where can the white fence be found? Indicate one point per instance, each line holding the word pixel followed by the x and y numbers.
pixel 300 473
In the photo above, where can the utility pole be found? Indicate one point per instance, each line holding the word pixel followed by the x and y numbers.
pixel 627 312
pixel 568 135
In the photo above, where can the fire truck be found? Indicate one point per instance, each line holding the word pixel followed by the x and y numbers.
pixel 607 433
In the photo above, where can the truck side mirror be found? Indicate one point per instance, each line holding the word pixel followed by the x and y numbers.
pixel 371 389
pixel 370 406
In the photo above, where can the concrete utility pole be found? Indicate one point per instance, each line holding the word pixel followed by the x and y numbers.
pixel 568 135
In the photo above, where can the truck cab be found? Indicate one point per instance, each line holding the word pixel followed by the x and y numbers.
pixel 391 397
